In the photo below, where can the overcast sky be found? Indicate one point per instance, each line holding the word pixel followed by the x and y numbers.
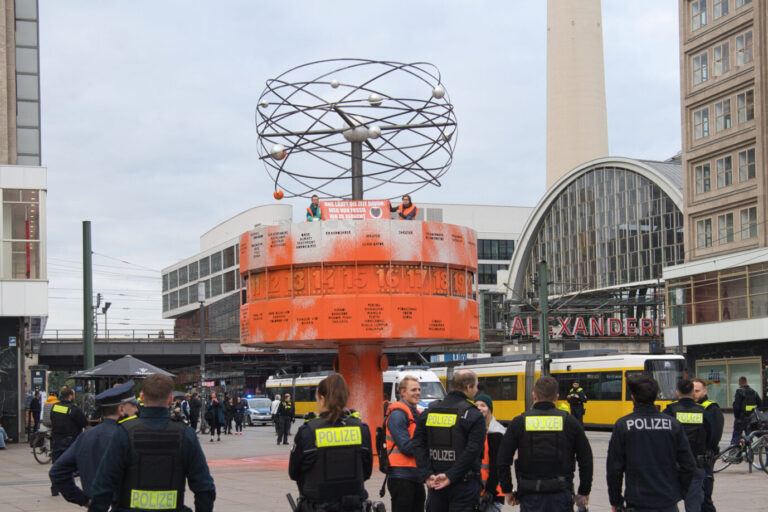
pixel 148 115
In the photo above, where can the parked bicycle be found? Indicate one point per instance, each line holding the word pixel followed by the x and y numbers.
pixel 41 446
pixel 752 449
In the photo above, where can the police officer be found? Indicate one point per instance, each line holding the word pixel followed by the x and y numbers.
pixel 698 429
pixel 149 459
pixel 649 450
pixel 84 455
pixel 546 440
pixel 285 416
pixel 67 421
pixel 331 456
pixel 745 400
pixel 403 481
pixel 448 443
pixel 718 421
pixel 576 399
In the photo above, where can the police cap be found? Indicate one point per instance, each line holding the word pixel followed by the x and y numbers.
pixel 116 395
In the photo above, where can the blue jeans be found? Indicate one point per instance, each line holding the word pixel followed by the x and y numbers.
pixel 3 437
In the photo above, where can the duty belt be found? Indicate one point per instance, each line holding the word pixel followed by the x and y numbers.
pixel 547 485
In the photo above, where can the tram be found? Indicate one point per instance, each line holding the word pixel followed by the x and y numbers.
pixel 302 387
pixel 509 380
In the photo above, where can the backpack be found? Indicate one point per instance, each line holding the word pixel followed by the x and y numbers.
pixel 758 420
pixel 381 443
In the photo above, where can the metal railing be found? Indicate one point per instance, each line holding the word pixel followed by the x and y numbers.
pixel 127 335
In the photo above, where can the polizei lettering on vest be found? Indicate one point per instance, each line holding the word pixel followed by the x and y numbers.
pixel 436 419
pixel 650 424
pixel 690 417
pixel 153 500
pixel 442 455
pixel 340 436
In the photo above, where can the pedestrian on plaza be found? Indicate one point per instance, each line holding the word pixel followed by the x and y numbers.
pixel 314 213
pixel 745 400
pixel 332 456
pixel 67 421
pixel 406 488
pixel 185 409
pixel 576 399
pixel 718 421
pixel 150 460
pixel 273 410
pixel 406 210
pixel 697 425
pixel 448 443
pixel 85 454
pixel 492 494
pixel 649 451
pixel 214 415
pixel 286 415
pixel 47 407
pixel 240 407
pixel 194 410
pixel 3 434
pixel 35 408
pixel 229 414
pixel 548 443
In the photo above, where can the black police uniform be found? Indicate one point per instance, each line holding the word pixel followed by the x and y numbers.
pixel 67 421
pixel 652 451
pixel 745 401
pixel 718 422
pixel 285 416
pixel 450 438
pixel 698 429
pixel 330 462
pixel 84 455
pixel 546 440
pixel 146 464
pixel 576 399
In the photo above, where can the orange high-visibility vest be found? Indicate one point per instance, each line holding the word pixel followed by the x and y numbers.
pixel 406 212
pixel 396 458
pixel 485 469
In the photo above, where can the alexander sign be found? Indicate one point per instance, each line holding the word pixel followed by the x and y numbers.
pixel 580 326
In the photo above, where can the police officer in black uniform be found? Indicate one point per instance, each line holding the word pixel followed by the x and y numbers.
pixel 448 443
pixel 718 421
pixel 745 401
pixel 649 450
pixel 576 399
pixel 286 415
pixel 698 429
pixel 85 454
pixel 332 457
pixel 546 440
pixel 67 421
pixel 149 460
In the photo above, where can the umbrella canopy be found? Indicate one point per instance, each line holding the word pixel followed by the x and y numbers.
pixel 127 366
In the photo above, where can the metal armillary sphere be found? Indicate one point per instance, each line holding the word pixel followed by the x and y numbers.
pixel 342 127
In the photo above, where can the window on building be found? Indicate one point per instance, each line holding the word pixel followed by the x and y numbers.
pixel 183 297
pixel 174 301
pixel 700 68
pixel 205 268
pixel 724 172
pixel 487 273
pixel 229 257
pixel 215 286
pixel 495 249
pixel 749 223
pixel 722 115
pixel 719 8
pixel 173 279
pixel 701 123
pixel 21 234
pixel 742 3
pixel 192 271
pixel 230 279
pixel 182 276
pixel 698 14
pixel 165 282
pixel 746 105
pixel 165 302
pixel 704 233
pixel 747 164
pixel 215 262
pixel 725 228
pixel 744 48
pixel 703 183
pixel 720 59
pixel 192 290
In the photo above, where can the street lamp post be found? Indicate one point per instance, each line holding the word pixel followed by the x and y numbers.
pixel 104 312
pixel 201 299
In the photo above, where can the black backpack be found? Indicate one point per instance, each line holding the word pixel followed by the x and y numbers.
pixel 381 443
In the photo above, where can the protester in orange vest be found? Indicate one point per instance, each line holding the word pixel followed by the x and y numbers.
pixel 407 210
pixel 494 432
pixel 313 210
pixel 403 480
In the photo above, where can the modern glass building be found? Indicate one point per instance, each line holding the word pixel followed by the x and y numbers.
pixel 606 229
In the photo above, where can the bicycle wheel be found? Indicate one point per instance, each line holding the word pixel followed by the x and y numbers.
pixel 42 451
pixel 727 457
pixel 762 454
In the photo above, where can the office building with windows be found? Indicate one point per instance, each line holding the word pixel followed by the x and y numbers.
pixel 720 293
pixel 23 280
